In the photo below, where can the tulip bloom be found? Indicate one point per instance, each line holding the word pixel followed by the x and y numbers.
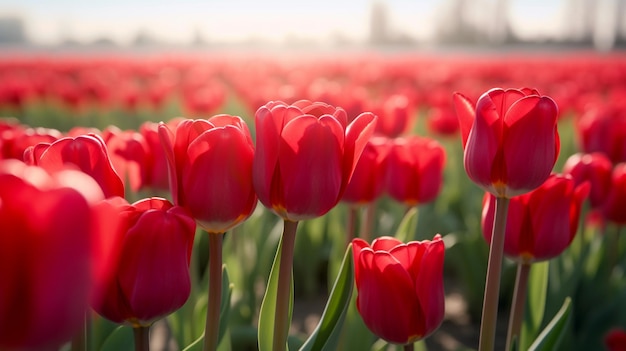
pixel 603 129
pixel 400 287
pixel 510 139
pixel 306 154
pixel 415 170
pixel 540 224
pixel 595 168
pixel 368 180
pixel 615 340
pixel 152 278
pixel 129 155
pixel 614 209
pixel 210 165
pixel 45 249
pixel 87 152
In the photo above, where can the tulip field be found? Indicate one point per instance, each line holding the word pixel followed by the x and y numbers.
pixel 344 201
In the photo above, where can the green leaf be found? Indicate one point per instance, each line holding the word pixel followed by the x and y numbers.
pixel 535 303
pixel 267 313
pixel 552 334
pixel 406 229
pixel 325 335
pixel 120 340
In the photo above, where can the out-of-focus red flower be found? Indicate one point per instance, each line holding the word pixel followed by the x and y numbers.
pixel 210 167
pixel 603 129
pixel 156 174
pixel 306 153
pixel 395 116
pixel 415 170
pixel 129 155
pixel 368 180
pixel 400 287
pixel 510 139
pixel 45 254
pixel 86 152
pixel 442 121
pixel 16 139
pixel 152 278
pixel 614 209
pixel 615 340
pixel 542 223
pixel 594 168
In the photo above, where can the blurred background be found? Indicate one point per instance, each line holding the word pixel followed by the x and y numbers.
pixel 323 24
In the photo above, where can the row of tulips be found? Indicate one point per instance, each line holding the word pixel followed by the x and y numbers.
pixel 306 157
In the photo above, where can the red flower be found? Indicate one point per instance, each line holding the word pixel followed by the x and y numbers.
pixel 540 224
pixel 45 248
pixel 510 139
pixel 87 152
pixel 415 170
pixel 152 278
pixel 400 287
pixel 614 209
pixel 129 155
pixel 368 180
pixel 395 116
pixel 615 340
pixel 210 167
pixel 306 154
pixel 603 129
pixel 595 168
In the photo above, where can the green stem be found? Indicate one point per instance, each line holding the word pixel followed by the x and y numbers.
pixel 612 247
pixel 80 339
pixel 492 282
pixel 282 318
pixel 142 338
pixel 408 347
pixel 368 221
pixel 351 224
pixel 518 304
pixel 212 326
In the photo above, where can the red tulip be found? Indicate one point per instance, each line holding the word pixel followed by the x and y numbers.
pixel 615 340
pixel 540 224
pixel 595 168
pixel 210 165
pixel 45 248
pixel 442 121
pixel 400 287
pixel 306 154
pixel 152 277
pixel 603 129
pixel 614 209
pixel 368 180
pixel 510 139
pixel 157 174
pixel 129 155
pixel 415 170
pixel 395 116
pixel 87 152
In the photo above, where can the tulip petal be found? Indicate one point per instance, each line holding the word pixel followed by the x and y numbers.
pixel 358 134
pixel 385 243
pixel 311 165
pixel 166 137
pixel 269 124
pixel 155 274
pixel 429 284
pixel 529 145
pixel 465 111
pixel 217 179
pixel 387 300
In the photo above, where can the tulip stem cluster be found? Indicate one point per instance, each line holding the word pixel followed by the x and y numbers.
pixel 518 304
pixel 283 294
pixel 492 283
pixel 142 338
pixel 212 327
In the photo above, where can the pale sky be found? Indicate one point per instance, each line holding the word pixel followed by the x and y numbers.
pixel 48 21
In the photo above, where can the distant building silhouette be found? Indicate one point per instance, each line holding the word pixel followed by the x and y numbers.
pixel 379 24
pixel 12 30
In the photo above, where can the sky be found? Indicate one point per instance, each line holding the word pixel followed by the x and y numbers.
pixel 49 21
